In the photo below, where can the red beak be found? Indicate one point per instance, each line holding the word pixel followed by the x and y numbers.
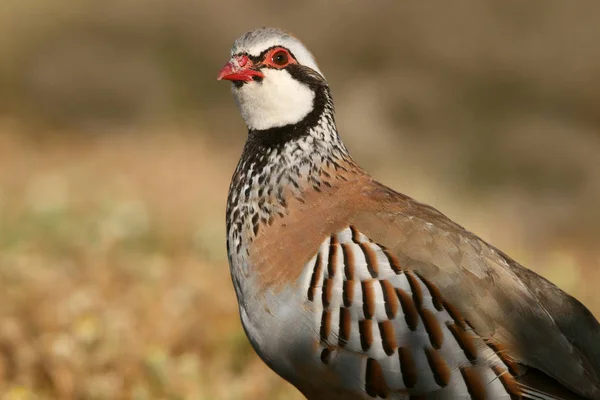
pixel 239 69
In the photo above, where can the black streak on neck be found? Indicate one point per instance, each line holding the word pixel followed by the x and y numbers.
pixel 263 140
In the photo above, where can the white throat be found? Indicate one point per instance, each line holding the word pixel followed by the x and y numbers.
pixel 276 101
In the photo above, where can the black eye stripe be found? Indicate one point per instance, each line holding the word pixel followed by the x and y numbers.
pixel 264 52
pixel 261 56
pixel 255 59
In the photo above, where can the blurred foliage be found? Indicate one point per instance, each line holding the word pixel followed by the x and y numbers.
pixel 117 145
pixel 113 275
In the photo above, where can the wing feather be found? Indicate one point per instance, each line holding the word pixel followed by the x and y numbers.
pixel 391 327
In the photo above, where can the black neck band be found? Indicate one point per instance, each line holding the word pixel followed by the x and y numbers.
pixel 265 139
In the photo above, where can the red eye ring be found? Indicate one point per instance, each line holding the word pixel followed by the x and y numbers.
pixel 279 57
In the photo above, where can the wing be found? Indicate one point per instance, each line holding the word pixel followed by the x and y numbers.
pixel 386 329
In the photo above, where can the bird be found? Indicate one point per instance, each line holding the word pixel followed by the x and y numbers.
pixel 348 289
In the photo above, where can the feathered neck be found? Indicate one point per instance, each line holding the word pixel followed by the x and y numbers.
pixel 278 163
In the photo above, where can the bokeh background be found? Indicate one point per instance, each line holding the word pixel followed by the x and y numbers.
pixel 117 145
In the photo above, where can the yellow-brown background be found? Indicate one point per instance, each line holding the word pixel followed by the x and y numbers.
pixel 117 145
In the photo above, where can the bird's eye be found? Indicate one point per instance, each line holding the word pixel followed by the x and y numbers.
pixel 280 58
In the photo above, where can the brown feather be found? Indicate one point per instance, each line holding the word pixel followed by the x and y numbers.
pixel 485 288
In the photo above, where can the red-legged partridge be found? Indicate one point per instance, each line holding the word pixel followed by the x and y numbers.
pixel 350 290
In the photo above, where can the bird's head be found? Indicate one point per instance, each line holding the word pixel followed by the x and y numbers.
pixel 275 79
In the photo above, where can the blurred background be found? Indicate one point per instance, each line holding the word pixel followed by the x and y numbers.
pixel 117 145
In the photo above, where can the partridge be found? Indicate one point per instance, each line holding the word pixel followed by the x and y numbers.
pixel 350 290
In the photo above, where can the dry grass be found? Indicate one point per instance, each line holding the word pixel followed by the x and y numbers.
pixel 113 273
pixel 114 278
